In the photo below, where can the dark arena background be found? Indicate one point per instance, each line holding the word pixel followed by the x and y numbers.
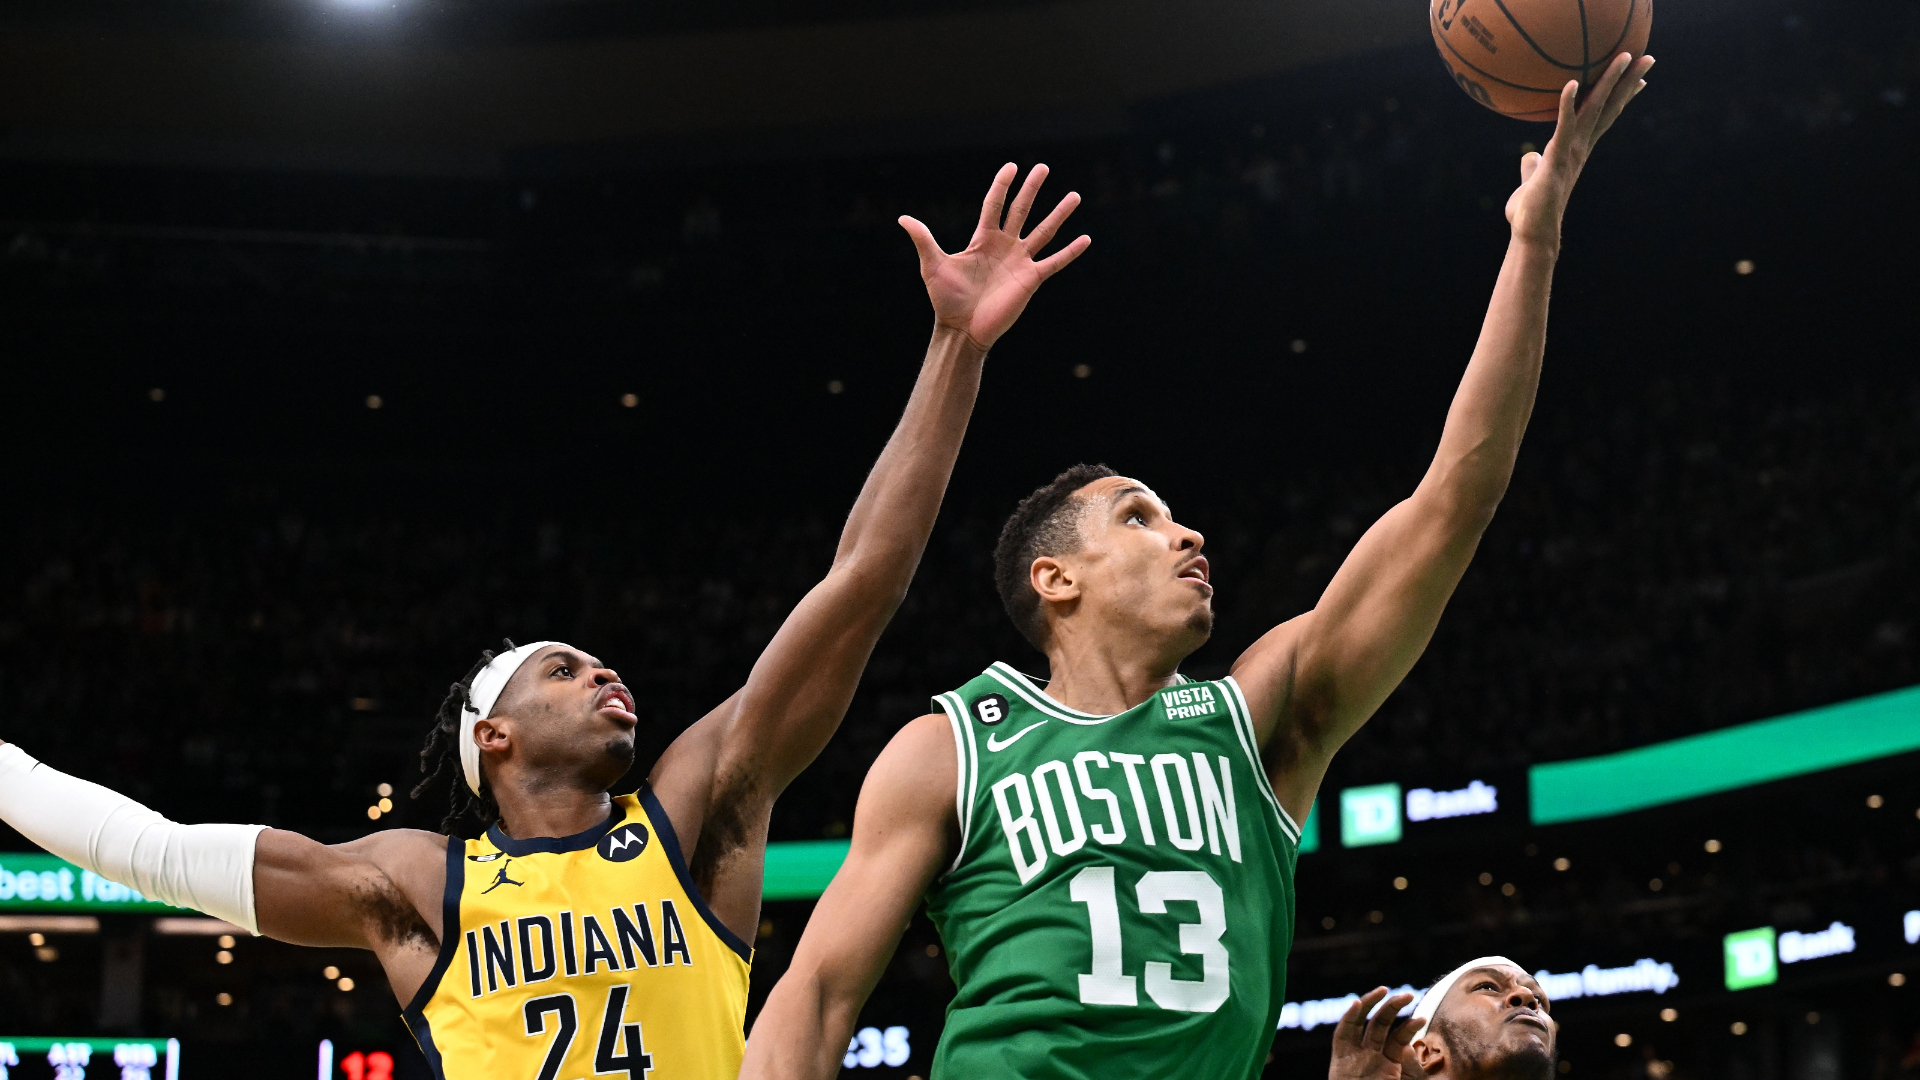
pixel 344 338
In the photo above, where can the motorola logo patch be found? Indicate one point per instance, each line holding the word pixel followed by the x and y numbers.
pixel 624 843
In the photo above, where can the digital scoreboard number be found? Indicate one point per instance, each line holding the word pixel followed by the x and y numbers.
pixel 41 1058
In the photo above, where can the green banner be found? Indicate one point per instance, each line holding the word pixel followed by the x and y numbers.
pixel 1853 731
pixel 800 869
pixel 37 882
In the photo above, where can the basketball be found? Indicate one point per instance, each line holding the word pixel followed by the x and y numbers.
pixel 1513 56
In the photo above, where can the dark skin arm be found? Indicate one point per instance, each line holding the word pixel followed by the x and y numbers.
pixel 719 779
pixel 1312 681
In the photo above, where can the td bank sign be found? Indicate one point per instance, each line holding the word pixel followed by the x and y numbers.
pixel 1374 814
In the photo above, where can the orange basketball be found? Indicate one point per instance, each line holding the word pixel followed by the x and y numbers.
pixel 1513 56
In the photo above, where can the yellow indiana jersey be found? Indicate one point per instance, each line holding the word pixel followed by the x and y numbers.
pixel 580 957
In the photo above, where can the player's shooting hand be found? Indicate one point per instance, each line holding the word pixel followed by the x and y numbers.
pixel 1372 1049
pixel 983 288
pixel 1546 179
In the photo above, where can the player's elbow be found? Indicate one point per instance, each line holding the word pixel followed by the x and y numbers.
pixel 1463 495
pixel 878 579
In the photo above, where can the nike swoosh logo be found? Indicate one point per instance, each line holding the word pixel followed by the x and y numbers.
pixel 995 745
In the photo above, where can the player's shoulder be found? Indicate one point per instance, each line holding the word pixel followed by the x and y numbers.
pixel 390 846
pixel 920 757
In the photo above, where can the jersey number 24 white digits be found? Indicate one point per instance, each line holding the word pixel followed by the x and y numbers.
pixel 1106 985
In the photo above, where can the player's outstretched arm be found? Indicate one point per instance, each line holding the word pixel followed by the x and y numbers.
pixel 370 894
pixel 903 835
pixel 1312 681
pixel 801 686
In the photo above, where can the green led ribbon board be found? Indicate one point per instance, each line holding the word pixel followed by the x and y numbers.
pixel 800 869
pixel 1804 742
pixel 37 882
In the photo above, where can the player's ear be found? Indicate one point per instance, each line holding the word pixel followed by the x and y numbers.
pixel 1428 1056
pixel 489 736
pixel 1053 580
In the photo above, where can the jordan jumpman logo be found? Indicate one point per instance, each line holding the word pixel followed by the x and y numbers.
pixel 500 878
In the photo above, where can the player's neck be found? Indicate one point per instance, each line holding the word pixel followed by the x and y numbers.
pixel 1104 677
pixel 528 811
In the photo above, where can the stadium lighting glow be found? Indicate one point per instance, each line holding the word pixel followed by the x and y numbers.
pixel 1910 922
pixel 37 925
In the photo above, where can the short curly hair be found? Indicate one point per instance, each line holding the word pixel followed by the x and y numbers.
pixel 1046 522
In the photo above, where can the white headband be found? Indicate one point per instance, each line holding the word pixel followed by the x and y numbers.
pixel 1430 1001
pixel 484 691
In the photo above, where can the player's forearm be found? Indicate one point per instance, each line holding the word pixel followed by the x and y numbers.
pixel 890 522
pixel 205 867
pixel 1490 410
pixel 803 1030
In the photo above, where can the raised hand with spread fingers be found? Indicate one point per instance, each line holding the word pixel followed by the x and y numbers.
pixel 981 289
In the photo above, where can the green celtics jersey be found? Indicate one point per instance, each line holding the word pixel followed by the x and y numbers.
pixel 1122 901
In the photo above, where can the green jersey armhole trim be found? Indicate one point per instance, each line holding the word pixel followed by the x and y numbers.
pixel 1242 719
pixel 956 710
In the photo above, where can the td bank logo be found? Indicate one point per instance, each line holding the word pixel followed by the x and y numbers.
pixel 1370 815
pixel 1750 959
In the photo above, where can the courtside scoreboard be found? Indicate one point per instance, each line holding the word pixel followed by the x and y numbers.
pixel 82 1058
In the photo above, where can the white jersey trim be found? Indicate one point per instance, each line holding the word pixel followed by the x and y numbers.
pixel 1034 696
pixel 1242 717
pixel 968 769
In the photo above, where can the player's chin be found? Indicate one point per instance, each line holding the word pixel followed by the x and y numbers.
pixel 619 751
pixel 1529 1055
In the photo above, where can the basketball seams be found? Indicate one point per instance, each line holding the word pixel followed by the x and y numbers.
pixel 1633 8
pixel 1535 46
pixel 1549 21
pixel 1477 69
pixel 1586 45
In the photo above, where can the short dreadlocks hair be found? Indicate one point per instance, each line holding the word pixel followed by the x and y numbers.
pixel 1046 522
pixel 441 755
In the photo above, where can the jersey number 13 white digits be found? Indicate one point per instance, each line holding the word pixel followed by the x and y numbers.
pixel 1106 985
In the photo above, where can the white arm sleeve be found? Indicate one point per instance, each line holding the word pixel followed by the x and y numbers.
pixel 204 867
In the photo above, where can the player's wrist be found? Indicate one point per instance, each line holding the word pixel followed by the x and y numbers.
pixel 962 343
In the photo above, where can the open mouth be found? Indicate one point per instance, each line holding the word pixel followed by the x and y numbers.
pixel 1195 571
pixel 617 699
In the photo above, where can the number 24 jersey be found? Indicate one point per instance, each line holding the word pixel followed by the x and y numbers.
pixel 1122 901
pixel 590 955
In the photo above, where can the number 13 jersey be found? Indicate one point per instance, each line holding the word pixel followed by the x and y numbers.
pixel 590 955
pixel 1122 901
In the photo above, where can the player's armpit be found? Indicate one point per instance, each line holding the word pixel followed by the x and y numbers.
pixel 904 833
pixel 378 892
